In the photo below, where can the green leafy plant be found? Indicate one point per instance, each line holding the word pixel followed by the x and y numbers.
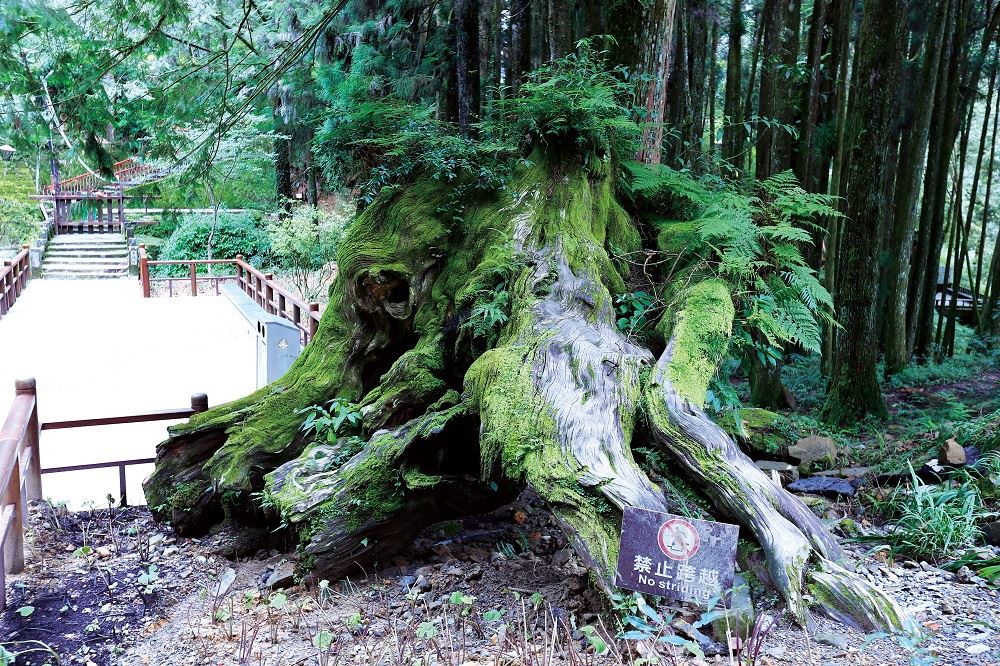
pixel 635 313
pixel 199 236
pixel 338 423
pixel 933 521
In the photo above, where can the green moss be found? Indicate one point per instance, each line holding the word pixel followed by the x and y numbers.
pixel 763 430
pixel 701 337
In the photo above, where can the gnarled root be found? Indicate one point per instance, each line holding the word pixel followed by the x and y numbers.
pixel 792 537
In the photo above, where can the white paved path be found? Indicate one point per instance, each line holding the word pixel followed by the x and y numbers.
pixel 97 348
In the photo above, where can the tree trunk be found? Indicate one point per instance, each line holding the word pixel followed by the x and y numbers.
pixel 854 390
pixel 985 324
pixel 963 249
pixel 913 152
pixel 467 64
pixel 449 429
pixel 733 132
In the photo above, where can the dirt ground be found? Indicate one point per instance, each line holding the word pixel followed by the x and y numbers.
pixel 497 589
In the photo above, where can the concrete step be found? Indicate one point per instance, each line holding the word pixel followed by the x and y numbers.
pixel 88 249
pixel 87 252
pixel 95 267
pixel 84 276
pixel 95 239
pixel 86 261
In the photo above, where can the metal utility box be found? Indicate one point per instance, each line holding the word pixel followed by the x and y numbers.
pixel 278 345
pixel 277 342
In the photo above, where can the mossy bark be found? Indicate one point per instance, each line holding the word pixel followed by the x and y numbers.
pixel 457 420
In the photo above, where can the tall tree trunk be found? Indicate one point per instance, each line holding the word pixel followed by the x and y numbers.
pixel 913 153
pixel 282 157
pixel 697 21
pixel 985 316
pixel 467 64
pixel 733 132
pixel 520 42
pixel 769 85
pixel 854 390
pixel 963 250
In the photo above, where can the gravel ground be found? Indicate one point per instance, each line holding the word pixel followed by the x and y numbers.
pixel 463 594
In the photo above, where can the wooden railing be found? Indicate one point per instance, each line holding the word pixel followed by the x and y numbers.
pixel 14 276
pixel 125 171
pixel 259 286
pixel 21 471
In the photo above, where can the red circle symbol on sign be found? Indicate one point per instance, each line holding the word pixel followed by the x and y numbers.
pixel 679 539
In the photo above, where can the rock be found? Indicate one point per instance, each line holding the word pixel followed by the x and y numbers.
pixel 814 449
pixel 406 582
pixel 737 613
pixel 838 641
pixel 848 472
pixel 282 576
pixel 823 485
pixel 422 584
pixel 104 551
pixel 561 557
pixel 965 575
pixel 951 454
pixel 977 648
pixel 155 540
pixel 788 473
pixel 991 533
pixel 708 645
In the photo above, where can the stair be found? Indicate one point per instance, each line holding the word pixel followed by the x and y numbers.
pixel 86 257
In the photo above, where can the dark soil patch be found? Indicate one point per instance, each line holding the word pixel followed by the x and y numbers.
pixel 80 598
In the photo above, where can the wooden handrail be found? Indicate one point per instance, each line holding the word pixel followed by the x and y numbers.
pixel 259 286
pixel 20 477
pixel 14 276
pixel 21 470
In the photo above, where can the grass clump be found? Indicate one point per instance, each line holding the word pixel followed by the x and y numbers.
pixel 933 522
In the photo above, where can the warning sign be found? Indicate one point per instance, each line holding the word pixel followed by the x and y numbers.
pixel 675 557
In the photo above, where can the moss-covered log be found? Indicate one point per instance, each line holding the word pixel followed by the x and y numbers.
pixel 461 410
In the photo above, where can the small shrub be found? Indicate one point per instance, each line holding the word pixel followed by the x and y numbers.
pixel 18 223
pixel 169 221
pixel 231 234
pixel 305 245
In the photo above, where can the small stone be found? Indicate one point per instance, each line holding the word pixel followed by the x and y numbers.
pixel 952 454
pixel 964 575
pixel 282 576
pixel 833 640
pixel 977 648
pixel 823 485
pixel 788 473
pixel 155 539
pixel 814 449
pixel 170 550
pixel 422 584
pixel 104 552
pixel 561 557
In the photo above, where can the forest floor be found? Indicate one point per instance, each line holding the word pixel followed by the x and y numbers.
pixel 111 586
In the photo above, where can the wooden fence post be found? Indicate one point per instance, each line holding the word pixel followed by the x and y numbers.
pixel 32 440
pixel 13 547
pixel 313 324
pixel 268 293
pixel 27 263
pixel 144 269
pixel 199 403
pixel 194 279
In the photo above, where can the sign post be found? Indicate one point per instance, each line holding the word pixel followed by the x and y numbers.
pixel 675 557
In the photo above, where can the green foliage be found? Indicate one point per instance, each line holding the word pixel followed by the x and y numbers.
pixel 934 521
pixel 231 234
pixel 339 418
pixel 19 222
pixel 635 313
pixel 574 105
pixel 305 245
pixel 170 220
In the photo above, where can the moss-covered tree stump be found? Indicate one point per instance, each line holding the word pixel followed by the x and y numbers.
pixel 458 416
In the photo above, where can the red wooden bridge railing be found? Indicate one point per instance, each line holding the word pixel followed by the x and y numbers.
pixel 259 286
pixel 125 171
pixel 14 276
